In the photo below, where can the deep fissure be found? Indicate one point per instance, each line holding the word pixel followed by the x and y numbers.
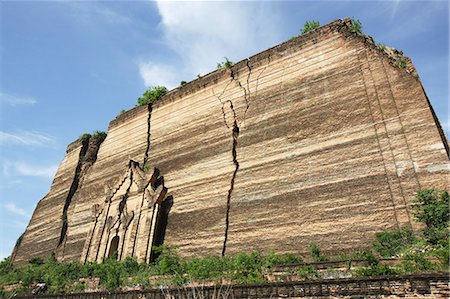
pixel 72 190
pixel 149 118
pixel 86 158
pixel 235 135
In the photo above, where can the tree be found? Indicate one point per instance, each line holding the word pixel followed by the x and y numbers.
pixel 432 208
pixel 152 94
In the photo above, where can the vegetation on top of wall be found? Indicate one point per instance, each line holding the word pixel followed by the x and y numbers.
pixel 85 137
pixel 225 64
pixel 96 134
pixel 151 95
pixel 356 26
pixel 99 135
pixel 415 255
pixel 310 26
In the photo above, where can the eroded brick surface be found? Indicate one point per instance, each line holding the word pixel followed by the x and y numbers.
pixel 321 139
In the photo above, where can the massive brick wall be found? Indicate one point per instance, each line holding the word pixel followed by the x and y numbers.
pixel 321 139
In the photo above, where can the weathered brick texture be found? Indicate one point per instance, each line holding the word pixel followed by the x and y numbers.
pixel 321 139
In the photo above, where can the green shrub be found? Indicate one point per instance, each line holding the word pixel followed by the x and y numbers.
pixel 374 267
pixel 307 272
pixel 99 135
pixel 225 64
pixel 414 263
pixel 247 267
pixel 168 261
pixel 78 287
pixel 130 265
pixel 141 278
pixel 355 26
pixel 391 242
pixel 183 83
pixel 111 274
pixel 376 270
pixel 310 26
pixel 5 266
pixel 315 253
pixel 401 62
pixel 207 268
pixel 272 259
pixel 151 95
pixel 36 261
pixel 442 253
pixel 85 137
pixel 370 258
pixel 432 208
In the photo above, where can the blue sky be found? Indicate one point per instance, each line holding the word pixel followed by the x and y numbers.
pixel 70 67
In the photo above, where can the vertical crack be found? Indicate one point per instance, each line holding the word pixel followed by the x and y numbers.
pixel 246 89
pixel 235 135
pixel 219 98
pixel 236 126
pixel 86 158
pixel 72 190
pixel 150 109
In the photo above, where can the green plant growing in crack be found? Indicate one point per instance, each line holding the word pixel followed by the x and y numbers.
pixel 145 168
pixel 151 95
pixel 401 61
pixel 225 64
pixel 310 26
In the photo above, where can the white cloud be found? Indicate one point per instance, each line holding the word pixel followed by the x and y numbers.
pixel 12 208
pixel 29 138
pixel 203 33
pixel 24 169
pixel 154 74
pixel 90 11
pixel 15 100
pixel 395 4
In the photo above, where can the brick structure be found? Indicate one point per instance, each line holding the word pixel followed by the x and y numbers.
pixel 325 138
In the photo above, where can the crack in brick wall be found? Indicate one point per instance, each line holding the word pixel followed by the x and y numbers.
pixel 149 118
pixel 87 157
pixel 235 130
